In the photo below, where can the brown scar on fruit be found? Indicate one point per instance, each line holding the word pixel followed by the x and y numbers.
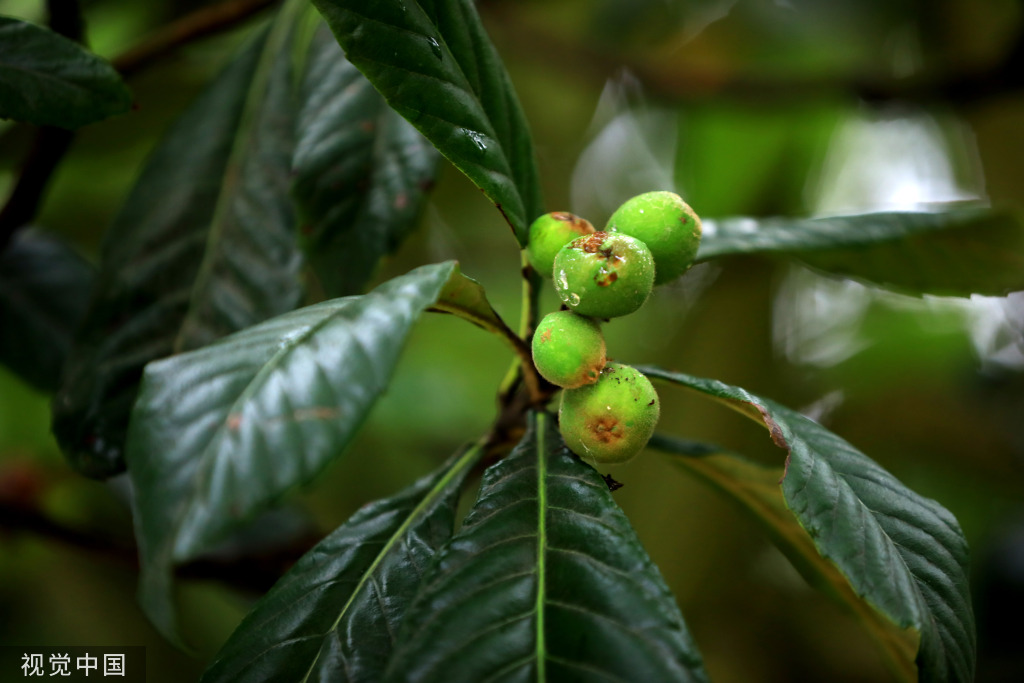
pixel 592 244
pixel 604 429
pixel 580 225
pixel 545 336
pixel 604 279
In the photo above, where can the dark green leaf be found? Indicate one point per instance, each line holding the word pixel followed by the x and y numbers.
pixel 221 433
pixel 755 488
pixel 204 246
pixel 465 297
pixel 44 289
pixel 903 554
pixel 958 252
pixel 334 615
pixel 361 171
pixel 47 79
pixel 435 65
pixel 545 581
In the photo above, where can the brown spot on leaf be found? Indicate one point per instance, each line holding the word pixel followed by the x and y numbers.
pixel 234 421
pixel 778 438
pixel 316 413
pixel 401 201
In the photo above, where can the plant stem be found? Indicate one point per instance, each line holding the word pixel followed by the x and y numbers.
pixel 49 144
pixel 202 22
pixel 681 82
pixel 522 368
pixel 256 573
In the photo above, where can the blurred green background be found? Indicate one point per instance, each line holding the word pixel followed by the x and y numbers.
pixel 745 107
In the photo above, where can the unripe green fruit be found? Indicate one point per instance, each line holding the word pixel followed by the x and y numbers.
pixel 568 349
pixel 611 421
pixel 604 275
pixel 667 225
pixel 551 232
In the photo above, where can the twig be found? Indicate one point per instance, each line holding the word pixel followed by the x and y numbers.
pixel 49 144
pixel 198 24
pixel 667 80
pixel 66 18
pixel 254 573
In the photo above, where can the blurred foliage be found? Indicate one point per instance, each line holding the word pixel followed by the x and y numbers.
pixel 751 101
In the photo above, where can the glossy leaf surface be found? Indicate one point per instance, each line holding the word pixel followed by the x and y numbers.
pixel 546 580
pixel 334 615
pixel 465 297
pixel 755 488
pixel 958 252
pixel 44 290
pixel 221 433
pixel 203 246
pixel 47 79
pixel 361 171
pixel 435 65
pixel 903 554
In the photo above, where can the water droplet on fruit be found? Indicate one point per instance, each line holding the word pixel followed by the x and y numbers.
pixel 574 299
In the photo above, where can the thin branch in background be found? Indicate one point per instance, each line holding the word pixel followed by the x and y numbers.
pixel 50 144
pixel 253 573
pixel 16 519
pixel 66 19
pixel 204 22
pixel 688 83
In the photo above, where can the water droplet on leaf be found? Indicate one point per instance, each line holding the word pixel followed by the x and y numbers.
pixel 477 139
pixel 435 47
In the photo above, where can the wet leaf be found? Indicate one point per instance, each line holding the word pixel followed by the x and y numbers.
pixel 546 580
pixel 203 246
pixel 958 252
pixel 44 290
pixel 222 433
pixel 334 615
pixel 361 171
pixel 47 79
pixel 436 66
pixel 903 554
